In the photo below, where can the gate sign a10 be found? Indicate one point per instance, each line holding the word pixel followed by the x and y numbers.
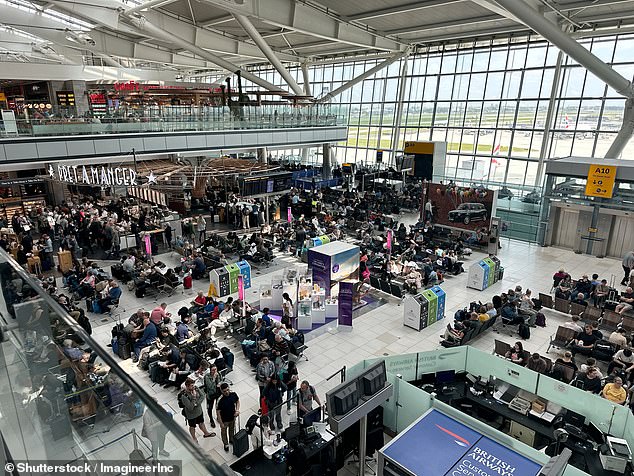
pixel 600 182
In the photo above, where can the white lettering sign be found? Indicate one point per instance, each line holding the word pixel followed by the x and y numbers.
pixel 100 176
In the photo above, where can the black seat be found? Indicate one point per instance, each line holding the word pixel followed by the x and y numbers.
pixel 375 282
pixel 385 287
pixel 397 290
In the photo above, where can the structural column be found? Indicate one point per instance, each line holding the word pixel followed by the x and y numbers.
pixel 327 163
pixel 262 155
pixel 399 111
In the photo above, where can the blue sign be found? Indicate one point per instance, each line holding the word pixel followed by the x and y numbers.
pixel 438 445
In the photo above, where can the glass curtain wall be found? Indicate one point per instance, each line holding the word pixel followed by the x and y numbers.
pixel 487 99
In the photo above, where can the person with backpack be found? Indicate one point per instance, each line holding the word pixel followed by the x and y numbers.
pixel 273 394
pixel 245 217
pixel 263 372
pixel 211 384
pixel 307 395
pixel 190 400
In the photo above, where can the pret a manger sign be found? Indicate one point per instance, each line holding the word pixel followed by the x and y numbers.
pixel 100 175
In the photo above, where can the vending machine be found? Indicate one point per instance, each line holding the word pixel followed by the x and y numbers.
pixel 415 312
pixel 438 291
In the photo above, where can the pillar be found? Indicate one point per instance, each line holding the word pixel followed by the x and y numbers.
pixel 327 162
pixel 262 155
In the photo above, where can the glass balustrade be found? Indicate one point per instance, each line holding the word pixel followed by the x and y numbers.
pixel 64 399
pixel 174 119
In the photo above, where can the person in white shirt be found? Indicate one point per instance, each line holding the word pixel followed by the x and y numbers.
pixel 574 324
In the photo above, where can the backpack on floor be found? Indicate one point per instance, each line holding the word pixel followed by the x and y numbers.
pixel 524 331
pixel 540 319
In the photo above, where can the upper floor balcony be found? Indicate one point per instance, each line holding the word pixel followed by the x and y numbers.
pixel 196 129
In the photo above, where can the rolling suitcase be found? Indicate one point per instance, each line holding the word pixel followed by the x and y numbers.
pixel 240 441
pixel 187 282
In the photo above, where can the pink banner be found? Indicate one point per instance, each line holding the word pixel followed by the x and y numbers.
pixel 289 213
pixel 241 287
pixel 389 240
pixel 148 245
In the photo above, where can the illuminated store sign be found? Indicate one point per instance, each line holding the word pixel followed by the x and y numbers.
pixel 99 176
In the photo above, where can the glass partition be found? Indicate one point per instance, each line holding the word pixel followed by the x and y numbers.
pixel 453 358
pixel 412 403
pixel 481 364
pixel 392 404
pixel 607 416
pixel 64 399
pixel 206 118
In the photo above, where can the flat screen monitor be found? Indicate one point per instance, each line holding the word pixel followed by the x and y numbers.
pixel 595 433
pixel 574 419
pixel 311 417
pixel 346 398
pixel 445 376
pixel 427 379
pixel 373 379
pixel 293 432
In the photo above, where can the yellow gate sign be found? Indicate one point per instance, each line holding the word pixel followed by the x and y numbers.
pixel 600 181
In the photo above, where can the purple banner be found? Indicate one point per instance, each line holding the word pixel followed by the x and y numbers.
pixel 389 241
pixel 320 264
pixel 289 214
pixel 346 289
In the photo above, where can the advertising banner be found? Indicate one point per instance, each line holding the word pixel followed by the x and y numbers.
pixel 289 214
pixel 346 289
pixel 345 265
pixel 467 208
pixel 320 264
pixel 389 241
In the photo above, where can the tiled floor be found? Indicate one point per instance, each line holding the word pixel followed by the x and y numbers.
pixel 379 332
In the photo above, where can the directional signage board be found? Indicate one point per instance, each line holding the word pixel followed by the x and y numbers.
pixel 600 181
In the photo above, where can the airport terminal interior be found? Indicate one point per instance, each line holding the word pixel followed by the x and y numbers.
pixel 307 237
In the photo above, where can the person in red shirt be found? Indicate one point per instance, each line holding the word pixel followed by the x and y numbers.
pixel 158 314
pixel 198 303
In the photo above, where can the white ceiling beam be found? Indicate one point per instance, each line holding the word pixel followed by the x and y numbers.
pixel 253 33
pixel 148 5
pixel 143 24
pixel 400 9
pixel 65 72
pixel 447 24
pixel 585 4
pixel 106 44
pixel 203 38
pixel 310 20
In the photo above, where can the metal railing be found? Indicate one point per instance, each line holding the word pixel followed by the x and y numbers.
pixel 174 118
pixel 61 410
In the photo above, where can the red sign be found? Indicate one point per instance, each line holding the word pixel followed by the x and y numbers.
pixel 97 98
pixel 127 86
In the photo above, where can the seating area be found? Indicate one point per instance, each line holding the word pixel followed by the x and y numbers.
pixel 586 375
